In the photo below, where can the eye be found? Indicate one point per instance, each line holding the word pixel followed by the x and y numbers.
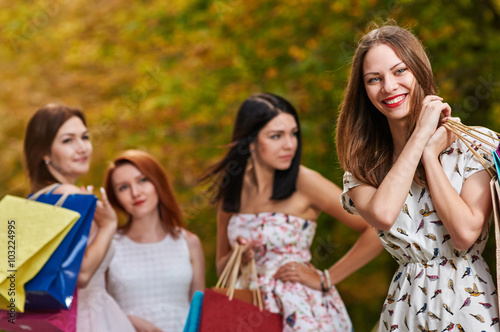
pixel 295 133
pixel 401 71
pixel 373 80
pixel 86 137
pixel 275 136
pixel 67 140
pixel 122 187
pixel 144 179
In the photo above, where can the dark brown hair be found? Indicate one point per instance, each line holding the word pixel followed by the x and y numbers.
pixel 40 134
pixel 170 211
pixel 227 175
pixel 364 141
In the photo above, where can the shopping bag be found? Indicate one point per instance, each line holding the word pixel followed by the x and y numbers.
pixel 219 314
pixel 52 287
pixel 30 233
pixel 226 308
pixel 496 160
pixel 490 151
pixel 495 197
pixel 43 321
pixel 193 318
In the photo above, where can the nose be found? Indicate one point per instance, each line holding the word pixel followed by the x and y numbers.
pixel 134 190
pixel 390 84
pixel 82 146
pixel 290 141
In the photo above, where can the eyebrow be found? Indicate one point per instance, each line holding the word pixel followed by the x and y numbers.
pixel 280 130
pixel 397 64
pixel 73 134
pixel 117 184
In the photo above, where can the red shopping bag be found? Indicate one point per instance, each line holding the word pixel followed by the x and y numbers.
pixel 219 314
pixel 227 309
pixel 41 321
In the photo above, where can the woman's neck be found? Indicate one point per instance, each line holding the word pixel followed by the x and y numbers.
pixel 147 229
pixel 262 178
pixel 60 177
pixel 399 135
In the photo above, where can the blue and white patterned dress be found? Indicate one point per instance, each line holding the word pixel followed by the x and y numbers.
pixel 436 287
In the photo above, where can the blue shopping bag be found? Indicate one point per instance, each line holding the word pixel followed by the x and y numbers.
pixel 496 159
pixel 193 318
pixel 53 287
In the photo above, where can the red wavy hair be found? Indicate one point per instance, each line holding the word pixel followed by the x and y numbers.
pixel 170 212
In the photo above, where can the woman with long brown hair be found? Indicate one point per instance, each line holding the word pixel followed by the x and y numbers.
pixel 410 178
pixel 158 264
pixel 57 149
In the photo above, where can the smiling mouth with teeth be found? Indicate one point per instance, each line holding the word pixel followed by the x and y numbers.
pixel 394 101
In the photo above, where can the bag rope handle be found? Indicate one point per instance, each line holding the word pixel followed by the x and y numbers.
pixel 229 276
pixel 458 129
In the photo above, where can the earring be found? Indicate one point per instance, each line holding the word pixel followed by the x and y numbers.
pixel 46 161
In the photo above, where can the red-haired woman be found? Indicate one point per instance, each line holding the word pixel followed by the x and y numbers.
pixel 158 264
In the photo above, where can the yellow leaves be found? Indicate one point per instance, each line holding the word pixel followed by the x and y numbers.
pixel 297 53
pixel 337 7
pixel 271 72
pixel 311 43
pixel 326 85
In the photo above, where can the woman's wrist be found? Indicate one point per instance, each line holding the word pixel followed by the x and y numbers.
pixel 328 280
pixel 429 156
pixel 325 281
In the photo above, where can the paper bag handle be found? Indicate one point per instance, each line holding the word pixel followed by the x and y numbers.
pixel 229 275
pixel 48 189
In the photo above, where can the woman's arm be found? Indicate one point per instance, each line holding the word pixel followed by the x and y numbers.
pixel 223 246
pixel 323 195
pixel 142 325
pixel 106 223
pixel 198 263
pixel 326 196
pixel 463 215
pixel 372 203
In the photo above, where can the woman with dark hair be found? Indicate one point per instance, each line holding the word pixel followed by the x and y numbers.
pixel 158 264
pixel 57 149
pixel 419 185
pixel 269 202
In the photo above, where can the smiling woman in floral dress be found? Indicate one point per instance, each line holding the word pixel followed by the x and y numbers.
pixel 420 187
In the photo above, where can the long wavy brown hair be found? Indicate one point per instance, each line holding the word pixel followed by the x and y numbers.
pixel 170 211
pixel 364 141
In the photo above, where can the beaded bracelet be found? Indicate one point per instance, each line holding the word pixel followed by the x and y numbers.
pixel 322 279
pixel 328 281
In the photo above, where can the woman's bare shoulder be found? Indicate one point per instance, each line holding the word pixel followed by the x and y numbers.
pixel 67 188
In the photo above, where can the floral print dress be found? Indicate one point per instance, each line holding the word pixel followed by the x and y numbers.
pixel 436 287
pixel 278 239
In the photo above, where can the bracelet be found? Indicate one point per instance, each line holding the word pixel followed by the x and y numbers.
pixel 322 279
pixel 328 281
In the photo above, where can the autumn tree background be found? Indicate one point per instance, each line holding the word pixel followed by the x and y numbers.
pixel 168 77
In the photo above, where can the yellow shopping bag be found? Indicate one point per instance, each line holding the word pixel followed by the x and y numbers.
pixel 30 232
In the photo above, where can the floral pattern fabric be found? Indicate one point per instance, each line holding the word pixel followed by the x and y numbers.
pixel 436 287
pixel 278 239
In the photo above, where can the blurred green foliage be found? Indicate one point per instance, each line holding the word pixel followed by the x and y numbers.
pixel 168 77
